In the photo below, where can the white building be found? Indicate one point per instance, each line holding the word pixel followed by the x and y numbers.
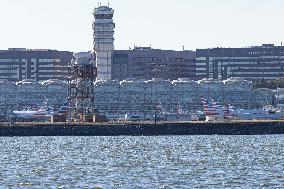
pixel 158 93
pixel 211 88
pixel 238 92
pixel 56 91
pixel 141 97
pixel 107 95
pixel 280 98
pixel 29 93
pixel 7 95
pixel 147 97
pixel 103 27
pixel 185 94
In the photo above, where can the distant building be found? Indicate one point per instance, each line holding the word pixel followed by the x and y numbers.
pixel 147 63
pixel 17 64
pixel 266 61
pixel 103 27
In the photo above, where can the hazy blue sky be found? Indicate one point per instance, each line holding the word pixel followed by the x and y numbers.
pixel 165 24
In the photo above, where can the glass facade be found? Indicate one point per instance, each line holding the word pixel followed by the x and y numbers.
pixel 143 97
pixel 28 93
pixel 147 63
pixel 137 96
pixel 38 65
pixel 266 61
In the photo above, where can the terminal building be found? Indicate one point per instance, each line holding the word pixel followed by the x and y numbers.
pixel 30 94
pixel 145 97
pixel 138 97
pixel 17 64
pixel 145 63
pixel 258 62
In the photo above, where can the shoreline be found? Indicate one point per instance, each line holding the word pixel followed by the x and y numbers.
pixel 263 127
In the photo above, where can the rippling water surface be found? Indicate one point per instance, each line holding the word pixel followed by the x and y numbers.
pixel 142 162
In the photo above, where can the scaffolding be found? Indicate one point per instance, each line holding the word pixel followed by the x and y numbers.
pixel 82 75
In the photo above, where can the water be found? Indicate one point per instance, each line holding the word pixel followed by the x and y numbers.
pixel 142 162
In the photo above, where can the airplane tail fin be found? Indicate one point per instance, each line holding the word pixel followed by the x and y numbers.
pixel 64 108
pixel 226 111
pixel 209 108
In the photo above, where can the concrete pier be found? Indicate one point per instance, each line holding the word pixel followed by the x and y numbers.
pixel 144 129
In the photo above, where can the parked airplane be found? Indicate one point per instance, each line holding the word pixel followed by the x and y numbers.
pixel 34 114
pixel 249 114
pixel 212 110
pixel 215 111
pixel 41 113
pixel 63 110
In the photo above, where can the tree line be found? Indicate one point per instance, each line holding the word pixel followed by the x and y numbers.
pixel 270 84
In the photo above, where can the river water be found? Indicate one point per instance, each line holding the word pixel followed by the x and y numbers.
pixel 142 162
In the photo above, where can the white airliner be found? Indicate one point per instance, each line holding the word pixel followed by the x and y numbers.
pixel 34 114
pixel 215 111
pixel 40 113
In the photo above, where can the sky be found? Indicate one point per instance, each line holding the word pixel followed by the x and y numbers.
pixel 162 24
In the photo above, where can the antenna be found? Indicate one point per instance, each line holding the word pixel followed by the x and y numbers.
pixel 108 4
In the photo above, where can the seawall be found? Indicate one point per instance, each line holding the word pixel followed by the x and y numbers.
pixel 186 128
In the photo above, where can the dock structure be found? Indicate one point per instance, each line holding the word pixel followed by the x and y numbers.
pixel 143 129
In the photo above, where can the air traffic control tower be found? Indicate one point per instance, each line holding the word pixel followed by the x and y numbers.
pixel 103 27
